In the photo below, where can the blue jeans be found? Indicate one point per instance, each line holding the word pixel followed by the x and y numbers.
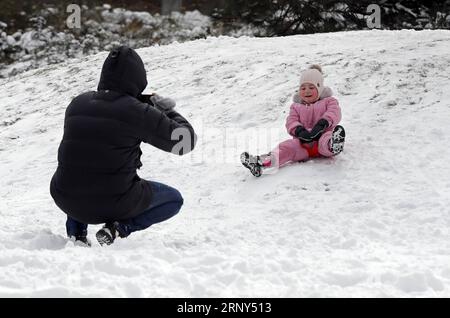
pixel 75 228
pixel 166 202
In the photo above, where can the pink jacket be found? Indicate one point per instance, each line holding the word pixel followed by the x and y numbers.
pixel 308 115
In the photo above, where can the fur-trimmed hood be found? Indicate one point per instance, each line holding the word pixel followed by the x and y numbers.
pixel 327 92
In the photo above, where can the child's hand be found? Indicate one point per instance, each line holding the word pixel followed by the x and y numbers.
pixel 318 129
pixel 303 134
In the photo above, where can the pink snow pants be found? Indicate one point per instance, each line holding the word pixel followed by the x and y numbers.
pixel 293 150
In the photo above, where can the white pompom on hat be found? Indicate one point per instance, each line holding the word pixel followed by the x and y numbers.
pixel 314 76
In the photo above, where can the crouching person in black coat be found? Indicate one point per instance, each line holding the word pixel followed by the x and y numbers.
pixel 96 179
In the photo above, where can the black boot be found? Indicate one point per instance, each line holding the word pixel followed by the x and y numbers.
pixel 77 232
pixel 81 239
pixel 253 163
pixel 108 233
pixel 337 140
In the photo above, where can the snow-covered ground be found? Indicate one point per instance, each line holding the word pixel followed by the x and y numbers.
pixel 373 221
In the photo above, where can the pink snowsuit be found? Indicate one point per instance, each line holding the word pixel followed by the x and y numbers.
pixel 302 114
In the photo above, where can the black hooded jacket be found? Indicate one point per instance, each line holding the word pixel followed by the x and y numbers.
pixel 96 179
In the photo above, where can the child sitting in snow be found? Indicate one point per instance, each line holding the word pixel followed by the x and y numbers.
pixel 313 122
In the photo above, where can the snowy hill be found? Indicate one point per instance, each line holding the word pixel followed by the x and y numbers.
pixel 373 221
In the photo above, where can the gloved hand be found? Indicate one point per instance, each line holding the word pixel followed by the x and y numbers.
pixel 302 134
pixel 318 129
pixel 161 103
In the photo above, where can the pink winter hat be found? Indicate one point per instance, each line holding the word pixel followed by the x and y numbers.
pixel 314 76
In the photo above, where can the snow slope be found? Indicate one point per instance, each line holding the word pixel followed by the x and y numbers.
pixel 373 221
